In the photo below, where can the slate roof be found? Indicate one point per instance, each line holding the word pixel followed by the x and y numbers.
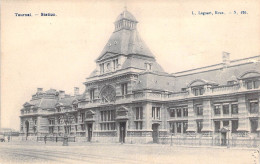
pixel 137 62
pixel 219 76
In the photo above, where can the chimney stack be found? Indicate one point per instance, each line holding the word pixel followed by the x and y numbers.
pixel 225 58
pixel 61 94
pixel 39 89
pixel 76 91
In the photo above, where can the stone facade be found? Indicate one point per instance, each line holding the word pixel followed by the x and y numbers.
pixel 129 98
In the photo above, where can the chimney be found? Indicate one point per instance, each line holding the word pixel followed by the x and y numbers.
pixel 76 91
pixel 61 94
pixel 39 89
pixel 225 58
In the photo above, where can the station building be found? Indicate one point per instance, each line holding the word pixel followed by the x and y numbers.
pixel 130 98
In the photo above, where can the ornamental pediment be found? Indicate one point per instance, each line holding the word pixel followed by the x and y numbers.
pixel 106 56
pixel 27 104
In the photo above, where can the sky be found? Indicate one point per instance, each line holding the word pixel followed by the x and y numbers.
pixel 59 52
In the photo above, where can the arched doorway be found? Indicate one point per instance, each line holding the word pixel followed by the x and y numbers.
pixel 27 128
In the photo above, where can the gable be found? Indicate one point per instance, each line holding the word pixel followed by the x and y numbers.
pixel 249 74
pixel 106 56
pixel 197 82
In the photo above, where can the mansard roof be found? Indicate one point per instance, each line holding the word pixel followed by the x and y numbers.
pixel 217 73
pixel 126 41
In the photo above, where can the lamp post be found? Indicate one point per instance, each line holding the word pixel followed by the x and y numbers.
pixel 66 121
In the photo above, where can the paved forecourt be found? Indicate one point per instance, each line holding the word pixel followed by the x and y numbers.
pixel 33 152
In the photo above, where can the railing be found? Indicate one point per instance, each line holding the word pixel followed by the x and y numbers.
pixel 225 88
pixel 210 141
pixel 56 139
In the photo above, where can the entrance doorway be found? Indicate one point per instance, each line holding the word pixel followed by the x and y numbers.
pixel 122 128
pixel 224 138
pixel 27 128
pixel 89 132
pixel 155 135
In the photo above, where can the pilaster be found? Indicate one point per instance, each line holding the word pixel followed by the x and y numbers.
pixel 207 112
pixel 243 124
pixel 191 118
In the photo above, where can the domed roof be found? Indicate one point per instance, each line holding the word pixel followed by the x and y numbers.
pixel 126 15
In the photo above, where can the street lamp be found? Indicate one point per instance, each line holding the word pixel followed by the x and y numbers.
pixel 66 121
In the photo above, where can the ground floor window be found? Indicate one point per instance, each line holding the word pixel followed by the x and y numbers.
pixel 199 126
pixel 254 125
pixel 234 126
pixel 179 127
pixel 185 127
pixel 139 125
pixel 83 127
pixel 51 129
pixel 107 126
pixel 217 126
pixel 172 126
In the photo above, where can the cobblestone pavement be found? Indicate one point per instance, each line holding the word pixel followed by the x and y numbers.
pixel 33 152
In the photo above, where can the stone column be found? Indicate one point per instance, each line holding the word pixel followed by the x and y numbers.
pixel 207 115
pixel 243 123
pixel 258 128
pixel 191 118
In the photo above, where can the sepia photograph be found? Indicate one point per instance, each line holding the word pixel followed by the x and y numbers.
pixel 120 81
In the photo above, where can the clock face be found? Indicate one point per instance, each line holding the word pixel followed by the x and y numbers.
pixel 108 94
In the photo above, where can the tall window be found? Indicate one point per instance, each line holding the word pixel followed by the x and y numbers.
pixel 185 112
pixel 199 109
pixel 124 88
pixel 92 94
pixel 225 108
pixel 234 108
pixel 178 112
pixel 148 66
pixel 139 124
pixel 51 121
pixel 217 126
pixel 102 68
pixel 139 113
pixel 82 117
pixel 107 120
pixel 254 125
pixel 199 126
pixel 253 106
pixel 198 91
pixel 217 109
pixel 51 130
pixel 179 124
pixel 172 126
pixel 156 113
pixel 185 127
pixel 115 63
pixel 234 126
pixel 172 112
pixel 82 127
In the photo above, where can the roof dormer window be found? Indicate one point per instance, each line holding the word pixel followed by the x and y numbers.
pixel 148 66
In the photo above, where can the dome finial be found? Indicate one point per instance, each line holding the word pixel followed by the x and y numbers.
pixel 125 7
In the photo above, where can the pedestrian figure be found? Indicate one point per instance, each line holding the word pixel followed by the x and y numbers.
pixel 45 138
pixel 8 138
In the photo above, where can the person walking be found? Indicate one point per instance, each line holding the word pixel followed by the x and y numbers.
pixel 45 139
